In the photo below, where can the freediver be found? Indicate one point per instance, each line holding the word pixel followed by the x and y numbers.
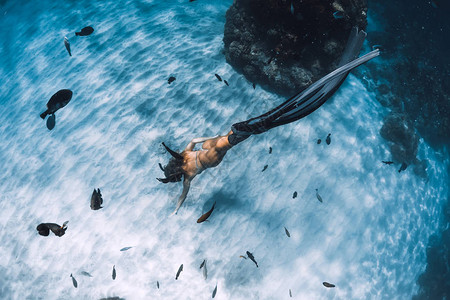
pixel 44 229
pixel 189 163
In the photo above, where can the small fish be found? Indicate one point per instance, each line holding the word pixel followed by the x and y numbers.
pixel 328 140
pixel 206 215
pixel 67 44
pixel 205 271
pixel 218 77
pixel 287 232
pixel 403 167
pixel 338 15
pixel 290 293
pixel 96 200
pixel 86 274
pixel 179 271
pixel 434 4
pixel 203 263
pixel 74 281
pixel 214 292
pixel 328 285
pixel 318 196
pixel 292 8
pixel 387 162
pixel 252 258
pixel 171 79
pixel 226 82
pixel 85 31
pixel 294 195
pixel 270 150
pixel 319 141
pixel 254 86
pixel 265 167
pixel 242 256
pixel 157 284
pixel 114 272
pixel 125 249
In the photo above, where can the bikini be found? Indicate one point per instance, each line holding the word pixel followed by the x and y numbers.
pixel 199 169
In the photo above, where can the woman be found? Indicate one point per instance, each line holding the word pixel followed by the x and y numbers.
pixel 190 163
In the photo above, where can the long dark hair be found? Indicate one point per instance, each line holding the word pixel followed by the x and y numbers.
pixel 173 170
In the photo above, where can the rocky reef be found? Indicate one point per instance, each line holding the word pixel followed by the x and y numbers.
pixel 286 45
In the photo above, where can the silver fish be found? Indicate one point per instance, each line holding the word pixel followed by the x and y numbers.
pixel 214 292
pixel 203 263
pixel 287 232
pixel 179 271
pixel 67 44
pixel 86 274
pixel 125 249
pixel 318 196
pixel 74 281
pixel 157 284
pixel 114 272
pixel 290 293
pixel 205 271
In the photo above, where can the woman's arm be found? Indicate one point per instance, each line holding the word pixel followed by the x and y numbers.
pixel 186 186
pixel 191 145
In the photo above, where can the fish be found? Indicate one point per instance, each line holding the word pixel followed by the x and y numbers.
pixel 171 79
pixel 203 263
pixel 86 274
pixel 287 232
pixel 59 99
pixel 205 271
pixel 434 4
pixel 403 167
pixel 96 200
pixel 252 258
pixel 328 285
pixel 44 229
pixel 51 122
pixel 206 215
pixel 318 196
pixel 179 271
pixel 338 15
pixel 157 284
pixel 214 292
pixel 114 272
pixel 387 162
pixel 294 195
pixel 254 86
pixel 290 293
pixel 125 248
pixel 265 167
pixel 74 281
pixel 67 44
pixel 85 31
pixel 218 77
pixel 292 8
pixel 270 150
pixel 328 140
pixel 319 141
pixel 226 82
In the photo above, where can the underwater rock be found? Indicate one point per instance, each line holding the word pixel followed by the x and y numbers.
pixel 286 45
pixel 398 130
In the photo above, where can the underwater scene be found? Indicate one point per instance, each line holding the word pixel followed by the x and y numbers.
pixel 246 149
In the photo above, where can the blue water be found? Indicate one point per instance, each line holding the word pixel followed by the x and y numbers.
pixel 369 236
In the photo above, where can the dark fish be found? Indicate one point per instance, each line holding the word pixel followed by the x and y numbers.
pixel 214 292
pixel 287 232
pixel 254 86
pixel 294 195
pixel 252 258
pixel 328 285
pixel 57 101
pixel 434 4
pixel 319 141
pixel 290 293
pixel 203 263
pixel 157 284
pixel 44 229
pixel 226 82
pixel 171 79
pixel 338 15
pixel 270 150
pixel 318 196
pixel 67 44
pixel 125 248
pixel 387 162
pixel 74 281
pixel 51 121
pixel 86 274
pixel 114 272
pixel 85 31
pixel 179 271
pixel 292 8
pixel 218 77
pixel 403 167
pixel 205 271
pixel 191 0
pixel 96 200
pixel 206 215
pixel 265 167
pixel 328 140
